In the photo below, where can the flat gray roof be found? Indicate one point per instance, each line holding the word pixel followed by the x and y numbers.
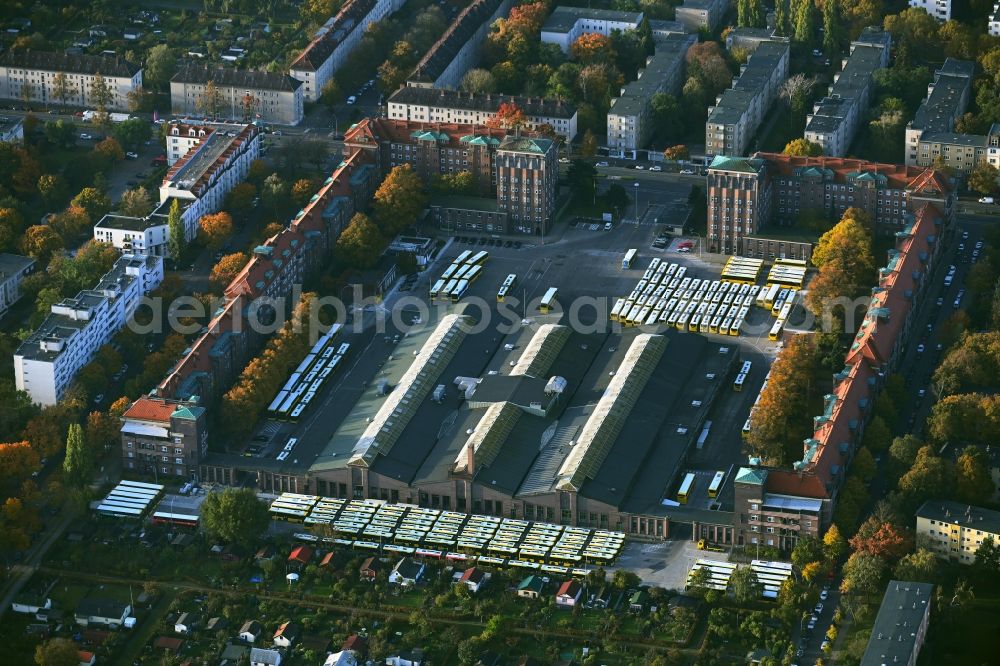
pixel 208 151
pixel 563 19
pixel 899 617
pixel 11 264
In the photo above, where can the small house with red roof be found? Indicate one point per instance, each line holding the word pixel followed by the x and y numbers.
pixel 300 557
pixel 569 593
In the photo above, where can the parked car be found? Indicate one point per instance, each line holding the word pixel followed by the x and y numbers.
pixel 86 137
pixel 985 200
pixel 602 164
pixel 131 156
pixel 607 226
pixel 688 172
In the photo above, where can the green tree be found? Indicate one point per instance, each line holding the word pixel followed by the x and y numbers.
pixel 61 87
pixel 588 146
pixel 973 483
pixel 131 133
pixel 988 557
pixel 831 27
pixel 804 23
pixel 176 242
pixel 161 64
pixel 235 515
pixel 864 464
pixel 983 178
pixel 920 566
pixel 53 189
pixel 59 133
pixel 94 201
pixel 57 652
pixel 930 476
pixel 877 435
pixel 803 148
pixel 361 243
pixel 834 544
pixel 78 463
pixel 807 549
pixel 101 97
pixel 399 200
pixel 745 586
pixel 782 25
pixel 135 203
pixel 863 575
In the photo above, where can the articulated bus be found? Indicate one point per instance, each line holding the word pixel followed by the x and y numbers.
pixel 479 258
pixel 775 333
pixel 745 368
pixel 459 291
pixel 687 486
pixel 629 259
pixel 548 300
pixel 716 485
pixel 509 283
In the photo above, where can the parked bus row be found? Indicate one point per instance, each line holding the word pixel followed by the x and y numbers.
pixel 293 400
pixel 746 426
pixel 455 280
pixel 308 371
pixel 744 270
pixel 782 309
pixel 742 375
pixel 788 273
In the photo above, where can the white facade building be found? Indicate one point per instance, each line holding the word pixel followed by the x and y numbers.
pixel 206 174
pixel 565 25
pixel 437 105
pixel 13 269
pixel 33 74
pixel 48 360
pixel 270 97
pixel 994 24
pixel 939 9
pixel 835 118
pixel 338 37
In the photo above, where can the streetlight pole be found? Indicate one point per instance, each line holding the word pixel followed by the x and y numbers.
pixel 636 184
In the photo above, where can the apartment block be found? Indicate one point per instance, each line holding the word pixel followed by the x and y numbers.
pixel 182 137
pixel 565 24
pixel 993 27
pixel 11 130
pixel 747 194
pixel 934 122
pixel 335 41
pixel 243 95
pixel 457 51
pixel 835 118
pixel 901 624
pixel 750 38
pixel 777 506
pixel 48 77
pixel 48 360
pixel 137 235
pixel 208 171
pixel 527 173
pixel 630 115
pixel 738 111
pixel 954 531
pixel 438 105
pixel 939 9
pixel 162 437
pixel 699 15
pixel 13 269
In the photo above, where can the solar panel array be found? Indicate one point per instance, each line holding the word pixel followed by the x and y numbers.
pixel 130 499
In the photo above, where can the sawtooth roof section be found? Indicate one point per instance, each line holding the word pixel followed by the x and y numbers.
pixel 542 350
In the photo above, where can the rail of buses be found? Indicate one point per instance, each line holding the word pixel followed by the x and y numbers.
pixel 380 526
pixel 308 378
pixel 687 486
pixel 455 280
pixel 666 295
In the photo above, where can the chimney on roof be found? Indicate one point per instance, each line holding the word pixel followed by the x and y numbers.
pixel 470 459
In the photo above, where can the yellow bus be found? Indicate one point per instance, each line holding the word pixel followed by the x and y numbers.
pixel 687 487
pixel 776 330
pixel 548 300
pixel 716 485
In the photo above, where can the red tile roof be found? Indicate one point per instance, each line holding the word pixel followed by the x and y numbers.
pixel 900 176
pixel 377 130
pixel 246 134
pixel 570 588
pixel 150 409
pixel 301 554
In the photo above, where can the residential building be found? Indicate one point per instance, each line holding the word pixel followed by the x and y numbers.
pixel 733 121
pixel 961 152
pixel 208 171
pixel 186 623
pixel 569 593
pixel 414 657
pixel 747 194
pixel 242 95
pixel 530 587
pixel 251 631
pixel 264 657
pixel 764 247
pixel 11 130
pixel 665 29
pixel 13 269
pixel 160 436
pixel 86 658
pixel 370 568
pixel 181 138
pixel 342 658
pixel 49 77
pixel 565 24
pixel 750 38
pixel 457 51
pixel 776 507
pixel 142 235
pixel 835 118
pixel 287 634
pixel 699 15
pixel 931 133
pixel 939 9
pixel 901 624
pixel 335 41
pixel 407 572
pixel 474 578
pixel 438 105
pixel 630 116
pixel 93 611
pixel 300 557
pixel 993 27
pixel 954 531
pixel 31 602
pixel 48 359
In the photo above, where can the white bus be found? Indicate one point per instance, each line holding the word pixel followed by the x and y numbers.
pixel 716 485
pixel 479 258
pixel 463 257
pixel 629 259
pixel 687 486
pixel 548 300
pixel 436 289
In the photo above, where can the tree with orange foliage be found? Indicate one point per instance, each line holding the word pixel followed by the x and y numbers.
pixel 17 461
pixel 227 268
pixel 110 149
pixel 880 537
pixel 591 47
pixel 214 229
pixel 509 116
pixel 678 152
